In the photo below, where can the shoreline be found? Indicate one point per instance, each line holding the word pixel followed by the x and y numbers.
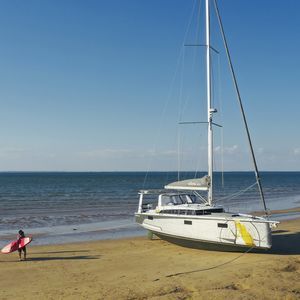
pixel 91 232
pixel 138 268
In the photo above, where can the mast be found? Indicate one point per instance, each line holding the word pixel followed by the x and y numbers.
pixel 210 111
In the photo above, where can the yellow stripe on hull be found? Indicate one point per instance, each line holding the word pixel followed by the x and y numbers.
pixel 244 234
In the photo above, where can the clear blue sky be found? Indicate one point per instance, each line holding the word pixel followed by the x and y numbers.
pixel 83 84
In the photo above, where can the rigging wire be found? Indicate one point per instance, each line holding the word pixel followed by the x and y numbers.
pixel 194 57
pixel 184 100
pixel 199 158
pixel 179 113
pixel 178 152
pixel 221 119
pixel 171 87
pixel 212 84
pixel 222 157
pixel 241 107
pixel 217 102
pixel 236 194
pixel 197 33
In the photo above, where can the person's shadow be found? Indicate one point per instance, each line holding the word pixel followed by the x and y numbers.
pixel 73 257
pixel 61 255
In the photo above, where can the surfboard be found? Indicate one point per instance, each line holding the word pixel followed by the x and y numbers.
pixel 15 245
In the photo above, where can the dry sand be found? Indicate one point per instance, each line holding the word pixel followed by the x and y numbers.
pixel 138 268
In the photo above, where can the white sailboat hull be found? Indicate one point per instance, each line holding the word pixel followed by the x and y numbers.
pixel 220 231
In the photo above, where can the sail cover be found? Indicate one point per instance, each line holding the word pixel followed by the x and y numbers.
pixel 196 184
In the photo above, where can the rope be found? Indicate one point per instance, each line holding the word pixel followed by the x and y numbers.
pixel 211 268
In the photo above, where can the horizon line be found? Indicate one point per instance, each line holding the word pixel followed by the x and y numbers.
pixel 144 171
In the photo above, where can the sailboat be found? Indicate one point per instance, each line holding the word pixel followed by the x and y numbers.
pixel 182 215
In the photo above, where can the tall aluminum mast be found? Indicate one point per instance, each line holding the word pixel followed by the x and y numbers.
pixel 210 110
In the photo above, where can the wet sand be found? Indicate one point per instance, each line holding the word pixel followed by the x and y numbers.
pixel 138 268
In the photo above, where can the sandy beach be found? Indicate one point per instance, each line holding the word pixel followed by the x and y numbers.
pixel 138 268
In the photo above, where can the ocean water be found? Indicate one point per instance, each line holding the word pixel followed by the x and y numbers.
pixel 69 207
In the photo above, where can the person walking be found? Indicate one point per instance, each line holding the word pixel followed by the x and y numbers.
pixel 21 236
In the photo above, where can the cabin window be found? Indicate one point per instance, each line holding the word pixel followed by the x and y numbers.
pixel 169 211
pixel 193 199
pixel 165 200
pixel 186 199
pixel 176 199
pixel 186 222
pixel 217 210
pixel 150 218
pixel 172 200
pixel 222 225
pixel 146 206
pixel 191 212
pixel 209 211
